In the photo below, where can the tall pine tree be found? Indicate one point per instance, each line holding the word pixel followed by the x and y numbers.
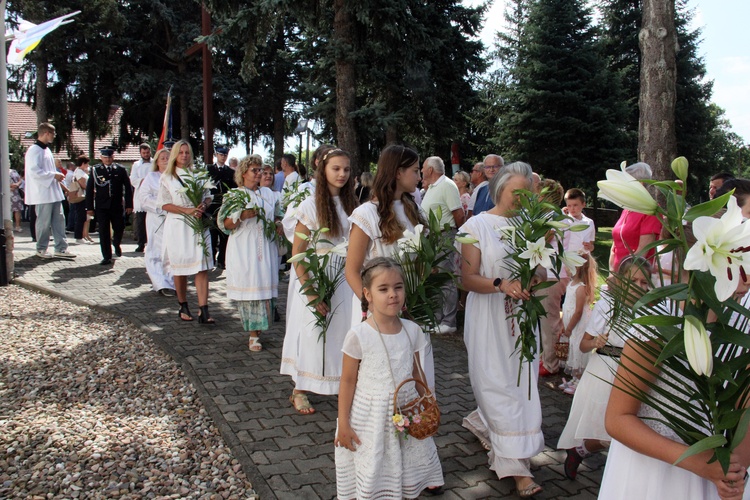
pixel 562 110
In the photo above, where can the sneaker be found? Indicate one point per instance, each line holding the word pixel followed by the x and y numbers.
pixel 572 461
pixel 44 255
pixel 564 384
pixel 167 292
pixel 65 255
pixel 572 386
pixel 80 241
pixel 445 329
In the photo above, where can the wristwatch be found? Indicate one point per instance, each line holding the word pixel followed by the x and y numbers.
pixel 497 283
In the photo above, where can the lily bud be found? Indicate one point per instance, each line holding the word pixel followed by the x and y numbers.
pixel 468 240
pixel 680 168
pixel 627 192
pixel 698 347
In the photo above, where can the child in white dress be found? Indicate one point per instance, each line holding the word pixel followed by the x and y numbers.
pixel 584 433
pixel 372 460
pixel 579 296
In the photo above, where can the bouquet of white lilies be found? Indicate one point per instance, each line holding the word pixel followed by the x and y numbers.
pixel 694 330
pixel 196 183
pixel 324 263
pixel 535 238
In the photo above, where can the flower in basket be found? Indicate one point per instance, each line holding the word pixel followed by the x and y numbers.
pixel 196 186
pixel 534 238
pixel 401 422
pixel 324 263
pixel 694 332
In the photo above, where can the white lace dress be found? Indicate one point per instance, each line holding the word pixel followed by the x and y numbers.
pixel 576 359
pixel 303 351
pixel 159 270
pixel 384 465
pixel 367 219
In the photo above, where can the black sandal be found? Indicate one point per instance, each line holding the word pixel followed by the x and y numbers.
pixel 184 310
pixel 204 317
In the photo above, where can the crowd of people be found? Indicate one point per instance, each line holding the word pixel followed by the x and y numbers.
pixel 263 214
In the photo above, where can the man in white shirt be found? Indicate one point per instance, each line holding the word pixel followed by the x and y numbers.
pixel 44 192
pixel 138 172
pixel 289 167
pixel 442 196
pixel 478 180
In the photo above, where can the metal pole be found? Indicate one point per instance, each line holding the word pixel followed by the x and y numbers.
pixel 6 226
pixel 308 150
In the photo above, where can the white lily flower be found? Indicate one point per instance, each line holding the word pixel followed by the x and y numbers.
pixel 572 260
pixel 680 167
pixel 538 253
pixel 698 347
pixel 209 184
pixel 627 192
pixel 340 249
pixel 411 240
pixel 721 248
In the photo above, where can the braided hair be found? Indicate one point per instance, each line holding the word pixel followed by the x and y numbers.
pixel 368 273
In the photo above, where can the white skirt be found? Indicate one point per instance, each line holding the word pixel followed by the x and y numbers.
pixel 586 419
pixel 629 475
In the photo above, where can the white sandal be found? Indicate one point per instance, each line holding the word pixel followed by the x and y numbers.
pixel 254 344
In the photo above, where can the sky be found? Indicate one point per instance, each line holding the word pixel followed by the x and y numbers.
pixel 725 49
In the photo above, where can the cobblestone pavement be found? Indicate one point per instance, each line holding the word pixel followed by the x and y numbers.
pixel 284 454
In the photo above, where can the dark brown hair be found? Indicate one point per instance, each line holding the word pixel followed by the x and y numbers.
pixel 368 273
pixel 324 203
pixel 393 159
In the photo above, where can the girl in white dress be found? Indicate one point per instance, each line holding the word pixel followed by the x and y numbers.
pixel 158 270
pixel 576 310
pixel 584 433
pixel 378 224
pixel 508 420
pixel 252 257
pixel 183 249
pixel 643 450
pixel 372 461
pixel 303 352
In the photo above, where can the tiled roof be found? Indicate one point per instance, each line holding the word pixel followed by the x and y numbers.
pixel 22 123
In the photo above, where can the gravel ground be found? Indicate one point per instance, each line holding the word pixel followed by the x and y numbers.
pixel 91 408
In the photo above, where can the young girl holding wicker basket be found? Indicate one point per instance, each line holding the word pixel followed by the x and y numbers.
pixel 386 411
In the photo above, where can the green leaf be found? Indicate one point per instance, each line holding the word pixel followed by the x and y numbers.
pixel 657 320
pixel 673 347
pixel 708 208
pixel 739 435
pixel 706 444
pixel 677 291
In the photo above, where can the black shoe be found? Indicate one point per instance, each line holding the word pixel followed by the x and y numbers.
pixel 139 250
pixel 204 318
pixel 118 251
pixel 105 262
pixel 572 461
pixel 184 310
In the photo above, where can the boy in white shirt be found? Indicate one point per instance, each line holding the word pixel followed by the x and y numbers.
pixel 575 201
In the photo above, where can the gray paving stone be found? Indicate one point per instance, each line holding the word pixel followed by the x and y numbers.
pixel 284 454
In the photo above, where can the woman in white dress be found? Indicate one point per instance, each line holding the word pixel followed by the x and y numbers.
pixel 187 253
pixel 303 353
pixel 158 270
pixel 252 256
pixel 378 224
pixel 508 420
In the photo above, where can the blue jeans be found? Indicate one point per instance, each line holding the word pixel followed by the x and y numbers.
pixel 49 216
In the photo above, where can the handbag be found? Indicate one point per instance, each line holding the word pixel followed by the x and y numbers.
pixel 76 196
pixel 420 417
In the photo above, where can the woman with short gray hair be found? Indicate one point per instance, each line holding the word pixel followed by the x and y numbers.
pixel 508 420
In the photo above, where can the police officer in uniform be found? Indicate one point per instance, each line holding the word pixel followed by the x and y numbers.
pixel 108 186
pixel 223 178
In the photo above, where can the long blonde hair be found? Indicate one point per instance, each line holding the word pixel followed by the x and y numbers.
pixel 172 163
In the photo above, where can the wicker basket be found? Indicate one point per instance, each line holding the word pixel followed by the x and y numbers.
pixel 561 350
pixel 425 406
